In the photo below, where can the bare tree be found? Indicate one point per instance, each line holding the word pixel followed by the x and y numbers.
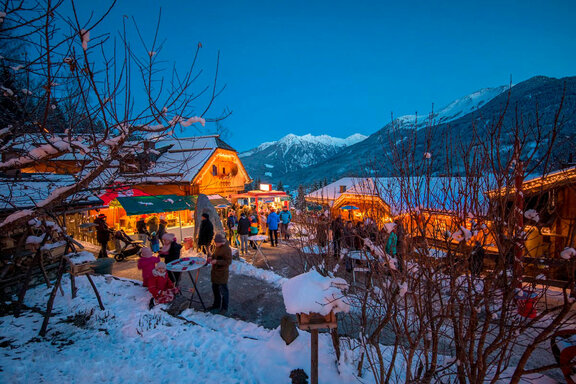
pixel 94 96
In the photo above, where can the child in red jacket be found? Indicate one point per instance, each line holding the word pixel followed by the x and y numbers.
pixel 160 286
pixel 146 263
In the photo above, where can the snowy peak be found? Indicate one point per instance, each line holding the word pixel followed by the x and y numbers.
pixel 269 161
pixel 291 140
pixel 456 109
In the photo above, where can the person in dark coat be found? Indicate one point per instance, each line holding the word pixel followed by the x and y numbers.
pixel 243 232
pixel 103 233
pixel 231 223
pixel 220 261
pixel 477 259
pixel 171 251
pixel 205 234
pixel 142 230
pixel 337 227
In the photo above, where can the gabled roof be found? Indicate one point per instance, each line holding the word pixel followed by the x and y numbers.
pixel 332 191
pixel 437 193
pixel 183 160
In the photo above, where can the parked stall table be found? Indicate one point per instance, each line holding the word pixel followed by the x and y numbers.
pixel 258 240
pixel 189 264
pixel 365 257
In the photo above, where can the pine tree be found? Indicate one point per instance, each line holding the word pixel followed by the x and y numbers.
pixel 300 198
pixel 280 187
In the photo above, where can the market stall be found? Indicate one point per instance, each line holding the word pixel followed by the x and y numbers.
pixel 262 199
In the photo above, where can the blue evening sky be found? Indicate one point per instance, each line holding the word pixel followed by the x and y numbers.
pixel 342 67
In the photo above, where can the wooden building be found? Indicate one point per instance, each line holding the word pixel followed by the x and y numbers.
pixel 188 166
pixel 353 198
pixel 549 220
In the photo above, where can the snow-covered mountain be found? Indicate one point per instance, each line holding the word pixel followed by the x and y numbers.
pixel 270 160
pixel 452 111
pixel 536 98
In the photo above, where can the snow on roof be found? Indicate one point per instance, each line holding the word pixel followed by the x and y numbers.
pixel 437 193
pixel 183 160
pixel 333 191
pixel 311 292
pixel 31 189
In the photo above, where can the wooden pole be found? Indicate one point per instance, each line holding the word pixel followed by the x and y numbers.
pixel 314 356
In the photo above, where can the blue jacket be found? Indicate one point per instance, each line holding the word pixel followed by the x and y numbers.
pixel 285 217
pixel 273 221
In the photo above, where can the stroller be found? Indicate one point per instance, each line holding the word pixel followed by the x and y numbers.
pixel 130 247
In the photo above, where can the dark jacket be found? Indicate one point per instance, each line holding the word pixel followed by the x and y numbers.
pixel 337 229
pixel 173 253
pixel 141 226
pixel 243 226
pixel 220 271
pixel 206 232
pixel 102 231
pixel 231 222
pixel 161 230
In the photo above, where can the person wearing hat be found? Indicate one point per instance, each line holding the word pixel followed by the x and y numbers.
pixel 220 261
pixel 102 235
pixel 205 234
pixel 171 251
pixel 160 286
pixel 147 263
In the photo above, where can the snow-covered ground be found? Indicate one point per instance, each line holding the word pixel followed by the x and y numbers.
pixel 128 343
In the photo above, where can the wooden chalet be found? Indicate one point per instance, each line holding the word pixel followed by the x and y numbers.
pixel 353 198
pixel 188 166
pixel 553 198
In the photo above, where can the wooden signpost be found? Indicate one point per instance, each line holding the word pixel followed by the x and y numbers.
pixel 313 322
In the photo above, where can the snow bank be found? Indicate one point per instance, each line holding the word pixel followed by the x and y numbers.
pixel 312 292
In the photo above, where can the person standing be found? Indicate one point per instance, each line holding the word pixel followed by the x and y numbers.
pixel 220 261
pixel 243 231
pixel 477 259
pixel 147 263
pixel 391 243
pixel 142 230
pixel 273 221
pixel 153 224
pixel 171 251
pixel 205 234
pixel 102 235
pixel 231 223
pixel 337 234
pixel 285 219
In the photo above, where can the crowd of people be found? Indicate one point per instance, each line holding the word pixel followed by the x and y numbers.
pixel 244 223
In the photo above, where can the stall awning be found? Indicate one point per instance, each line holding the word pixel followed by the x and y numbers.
pixel 219 201
pixel 140 205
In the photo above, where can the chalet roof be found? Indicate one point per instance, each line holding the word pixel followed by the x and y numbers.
pixel 438 193
pixel 182 161
pixel 552 180
pixel 332 191
pixel 31 189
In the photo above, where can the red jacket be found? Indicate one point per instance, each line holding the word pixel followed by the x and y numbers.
pixel 159 283
pixel 147 265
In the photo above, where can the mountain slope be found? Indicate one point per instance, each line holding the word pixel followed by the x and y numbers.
pixel 272 160
pixel 536 98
